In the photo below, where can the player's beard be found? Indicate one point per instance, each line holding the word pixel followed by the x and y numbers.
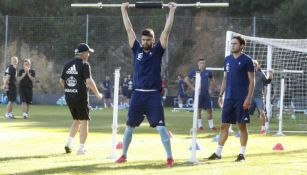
pixel 147 46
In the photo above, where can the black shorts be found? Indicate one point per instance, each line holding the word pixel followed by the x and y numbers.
pixel 26 95
pixel 79 112
pixel 11 93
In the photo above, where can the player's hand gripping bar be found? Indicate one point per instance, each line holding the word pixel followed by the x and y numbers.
pixel 152 4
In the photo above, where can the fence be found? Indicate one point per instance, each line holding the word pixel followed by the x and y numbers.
pixel 50 41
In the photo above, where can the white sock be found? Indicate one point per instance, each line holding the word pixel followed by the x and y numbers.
pixel 211 125
pixel 219 150
pixel 267 126
pixel 81 146
pixel 262 127
pixel 242 151
pixel 180 105
pixel 70 141
pixel 199 123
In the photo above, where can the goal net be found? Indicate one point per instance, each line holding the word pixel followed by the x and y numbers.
pixel 286 99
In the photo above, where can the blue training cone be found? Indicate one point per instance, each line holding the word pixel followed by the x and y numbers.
pixel 198 147
pixel 238 134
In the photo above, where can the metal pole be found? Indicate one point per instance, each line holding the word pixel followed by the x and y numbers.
pixel 115 113
pixel 281 106
pixel 86 35
pixel 193 158
pixel 254 35
pixel 5 41
pixel 269 88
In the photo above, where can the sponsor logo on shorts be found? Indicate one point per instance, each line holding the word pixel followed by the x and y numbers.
pixel 72 70
pixel 245 119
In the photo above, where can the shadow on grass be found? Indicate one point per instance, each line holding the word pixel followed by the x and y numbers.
pixel 4 159
pixel 107 167
pixel 137 165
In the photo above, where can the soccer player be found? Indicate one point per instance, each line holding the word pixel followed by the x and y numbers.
pixel 182 90
pixel 130 89
pixel 205 92
pixel 75 79
pixel 125 91
pixel 261 81
pixel 10 75
pixel 238 85
pixel 26 76
pixel 106 86
pixel 146 97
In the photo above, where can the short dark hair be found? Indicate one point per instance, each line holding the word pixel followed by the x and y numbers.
pixel 201 59
pixel 240 39
pixel 148 32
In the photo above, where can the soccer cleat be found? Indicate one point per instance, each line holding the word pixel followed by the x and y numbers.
pixel 263 132
pixel 25 115
pixel 67 149
pixel 170 162
pixel 81 151
pixel 122 159
pixel 240 158
pixel 214 156
pixel 214 129
pixel 201 128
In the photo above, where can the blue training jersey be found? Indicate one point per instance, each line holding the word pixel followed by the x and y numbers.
pixel 147 67
pixel 205 75
pixel 237 76
pixel 107 85
pixel 181 87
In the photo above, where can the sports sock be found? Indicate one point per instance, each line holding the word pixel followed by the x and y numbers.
pixel 127 139
pixel 242 150
pixel 211 125
pixel 165 140
pixel 199 123
pixel 219 150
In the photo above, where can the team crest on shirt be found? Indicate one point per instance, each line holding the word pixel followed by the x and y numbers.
pixel 140 56
pixel 227 67
pixel 71 81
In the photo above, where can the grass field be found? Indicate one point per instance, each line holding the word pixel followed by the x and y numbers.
pixel 35 146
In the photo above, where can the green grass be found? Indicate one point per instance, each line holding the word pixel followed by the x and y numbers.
pixel 35 146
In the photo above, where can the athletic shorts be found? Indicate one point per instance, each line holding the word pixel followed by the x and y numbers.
pixel 11 93
pixel 26 95
pixel 233 112
pixel 79 112
pixel 257 102
pixel 106 94
pixel 182 95
pixel 145 104
pixel 204 102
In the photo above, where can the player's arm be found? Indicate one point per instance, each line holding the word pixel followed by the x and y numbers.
pixel 32 78
pixel 6 80
pixel 212 85
pixel 188 82
pixel 127 24
pixel 267 80
pixel 168 25
pixel 251 86
pixel 265 90
pixel 92 85
pixel 62 82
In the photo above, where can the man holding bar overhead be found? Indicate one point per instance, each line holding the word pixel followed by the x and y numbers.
pixel 146 98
